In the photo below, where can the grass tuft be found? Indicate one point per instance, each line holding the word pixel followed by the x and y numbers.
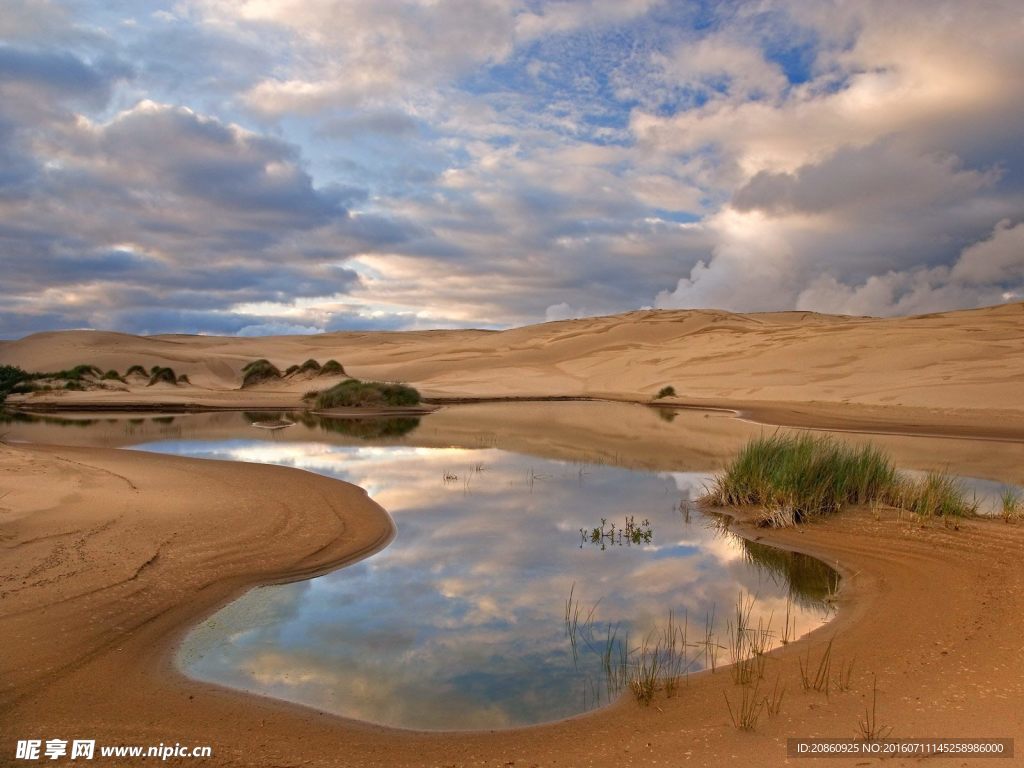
pixel 332 368
pixel 136 370
pixel 1011 506
pixel 868 726
pixel 797 477
pixel 665 392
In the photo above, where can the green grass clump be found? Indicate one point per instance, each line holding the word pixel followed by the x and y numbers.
pixel 1012 506
pixel 72 374
pixel 290 370
pixel 936 495
pixel 136 370
pixel 356 394
pixel 795 477
pixel 162 375
pixel 665 392
pixel 259 371
pixel 183 379
pixel 332 368
pixel 310 365
pixel 112 375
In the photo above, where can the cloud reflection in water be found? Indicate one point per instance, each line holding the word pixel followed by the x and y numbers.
pixel 459 623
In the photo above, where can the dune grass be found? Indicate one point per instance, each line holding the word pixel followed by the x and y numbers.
pixel 259 371
pixel 797 477
pixel 665 392
pixel 332 368
pixel 356 394
pixel 136 370
pixel 162 375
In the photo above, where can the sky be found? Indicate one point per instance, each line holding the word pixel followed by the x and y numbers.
pixel 293 166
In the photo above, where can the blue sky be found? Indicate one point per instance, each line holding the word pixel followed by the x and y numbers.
pixel 268 166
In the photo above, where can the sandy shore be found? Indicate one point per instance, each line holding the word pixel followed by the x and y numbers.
pixel 107 562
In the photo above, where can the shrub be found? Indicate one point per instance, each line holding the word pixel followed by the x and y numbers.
pixel 355 394
pixel 162 375
pixel 665 392
pixel 332 368
pixel 11 376
pixel 259 371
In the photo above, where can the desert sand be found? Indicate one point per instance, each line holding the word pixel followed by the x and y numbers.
pixel 110 556
pixel 943 373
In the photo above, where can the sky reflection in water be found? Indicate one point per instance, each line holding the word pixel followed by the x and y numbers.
pixel 459 623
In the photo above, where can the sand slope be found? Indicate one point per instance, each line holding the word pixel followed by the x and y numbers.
pixel 965 360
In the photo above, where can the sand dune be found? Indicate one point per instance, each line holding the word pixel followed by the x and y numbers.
pixel 965 360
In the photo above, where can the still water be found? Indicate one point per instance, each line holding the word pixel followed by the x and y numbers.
pixel 460 621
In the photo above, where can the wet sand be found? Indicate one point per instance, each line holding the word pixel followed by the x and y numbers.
pixel 109 556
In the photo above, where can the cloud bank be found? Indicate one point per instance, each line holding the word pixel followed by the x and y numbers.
pixel 284 166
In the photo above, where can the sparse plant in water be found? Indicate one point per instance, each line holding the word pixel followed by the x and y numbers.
pixel 607 534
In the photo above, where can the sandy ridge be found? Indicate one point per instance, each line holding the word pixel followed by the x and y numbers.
pixel 951 365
